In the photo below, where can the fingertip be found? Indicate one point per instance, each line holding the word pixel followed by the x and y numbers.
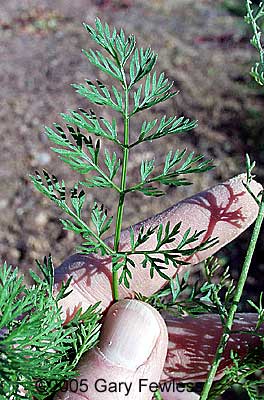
pixel 132 347
pixel 130 333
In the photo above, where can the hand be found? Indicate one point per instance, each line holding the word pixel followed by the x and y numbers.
pixel 134 340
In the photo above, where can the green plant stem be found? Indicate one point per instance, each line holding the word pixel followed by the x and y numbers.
pixel 120 208
pixel 255 28
pixel 157 395
pixel 236 300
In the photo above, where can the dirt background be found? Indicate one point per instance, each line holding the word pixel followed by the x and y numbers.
pixel 202 46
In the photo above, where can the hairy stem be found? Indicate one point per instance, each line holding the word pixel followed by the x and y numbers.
pixel 236 300
pixel 120 208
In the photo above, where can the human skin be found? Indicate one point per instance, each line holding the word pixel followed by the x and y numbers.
pixel 134 340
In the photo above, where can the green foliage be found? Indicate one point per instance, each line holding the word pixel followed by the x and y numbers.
pixel 100 95
pixel 215 294
pixel 83 156
pixel 244 373
pixel 170 175
pixel 117 45
pixel 207 295
pixel 140 87
pixel 156 90
pixel 92 124
pixel 167 126
pixel 249 168
pixel 253 18
pixel 54 190
pixel 36 347
pixel 227 314
pixel 156 259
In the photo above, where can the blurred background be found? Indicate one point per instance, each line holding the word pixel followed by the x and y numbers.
pixel 203 47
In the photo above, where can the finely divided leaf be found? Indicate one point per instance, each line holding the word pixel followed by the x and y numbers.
pixel 116 44
pixel 167 126
pixel 146 169
pixel 157 90
pixel 100 220
pixel 141 64
pixel 92 124
pixel 100 95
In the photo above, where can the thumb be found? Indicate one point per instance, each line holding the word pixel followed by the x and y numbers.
pixel 129 359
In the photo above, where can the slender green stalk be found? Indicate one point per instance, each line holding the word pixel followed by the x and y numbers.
pixel 236 300
pixel 255 28
pixel 120 208
pixel 157 395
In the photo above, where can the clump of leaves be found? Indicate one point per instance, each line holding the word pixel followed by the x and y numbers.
pixel 37 351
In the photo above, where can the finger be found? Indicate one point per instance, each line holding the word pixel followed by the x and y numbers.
pixel 129 357
pixel 182 393
pixel 223 211
pixel 193 343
